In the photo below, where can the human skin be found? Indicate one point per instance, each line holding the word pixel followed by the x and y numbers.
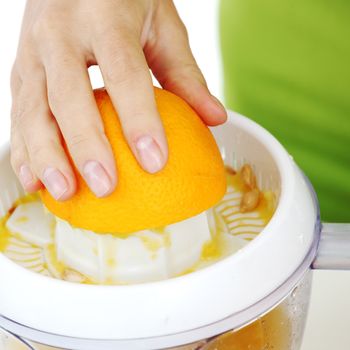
pixel 53 101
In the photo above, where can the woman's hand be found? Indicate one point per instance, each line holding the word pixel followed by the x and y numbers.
pixel 53 98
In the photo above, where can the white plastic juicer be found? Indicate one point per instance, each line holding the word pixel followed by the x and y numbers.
pixel 200 309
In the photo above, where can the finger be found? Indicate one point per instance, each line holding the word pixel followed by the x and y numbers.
pixel 72 102
pixel 16 83
pixel 129 84
pixel 175 67
pixel 21 164
pixel 19 155
pixel 41 136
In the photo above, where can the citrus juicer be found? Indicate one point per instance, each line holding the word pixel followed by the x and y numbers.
pixel 41 242
pixel 202 309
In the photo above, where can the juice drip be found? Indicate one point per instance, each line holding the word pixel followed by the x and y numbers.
pixel 4 233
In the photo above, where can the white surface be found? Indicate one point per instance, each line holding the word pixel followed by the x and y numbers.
pixel 329 317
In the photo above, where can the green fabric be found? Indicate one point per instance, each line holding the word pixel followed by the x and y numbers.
pixel 287 66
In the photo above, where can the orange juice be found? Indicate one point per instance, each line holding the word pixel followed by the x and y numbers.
pixel 270 332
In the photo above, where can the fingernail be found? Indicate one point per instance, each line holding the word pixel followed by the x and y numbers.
pixel 55 182
pixel 97 178
pixel 217 102
pixel 149 153
pixel 25 175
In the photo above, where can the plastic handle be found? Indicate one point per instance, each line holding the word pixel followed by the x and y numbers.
pixel 334 248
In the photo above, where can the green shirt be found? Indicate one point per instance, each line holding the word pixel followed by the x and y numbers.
pixel 287 66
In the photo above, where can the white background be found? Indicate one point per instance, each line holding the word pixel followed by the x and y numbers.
pixel 329 321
